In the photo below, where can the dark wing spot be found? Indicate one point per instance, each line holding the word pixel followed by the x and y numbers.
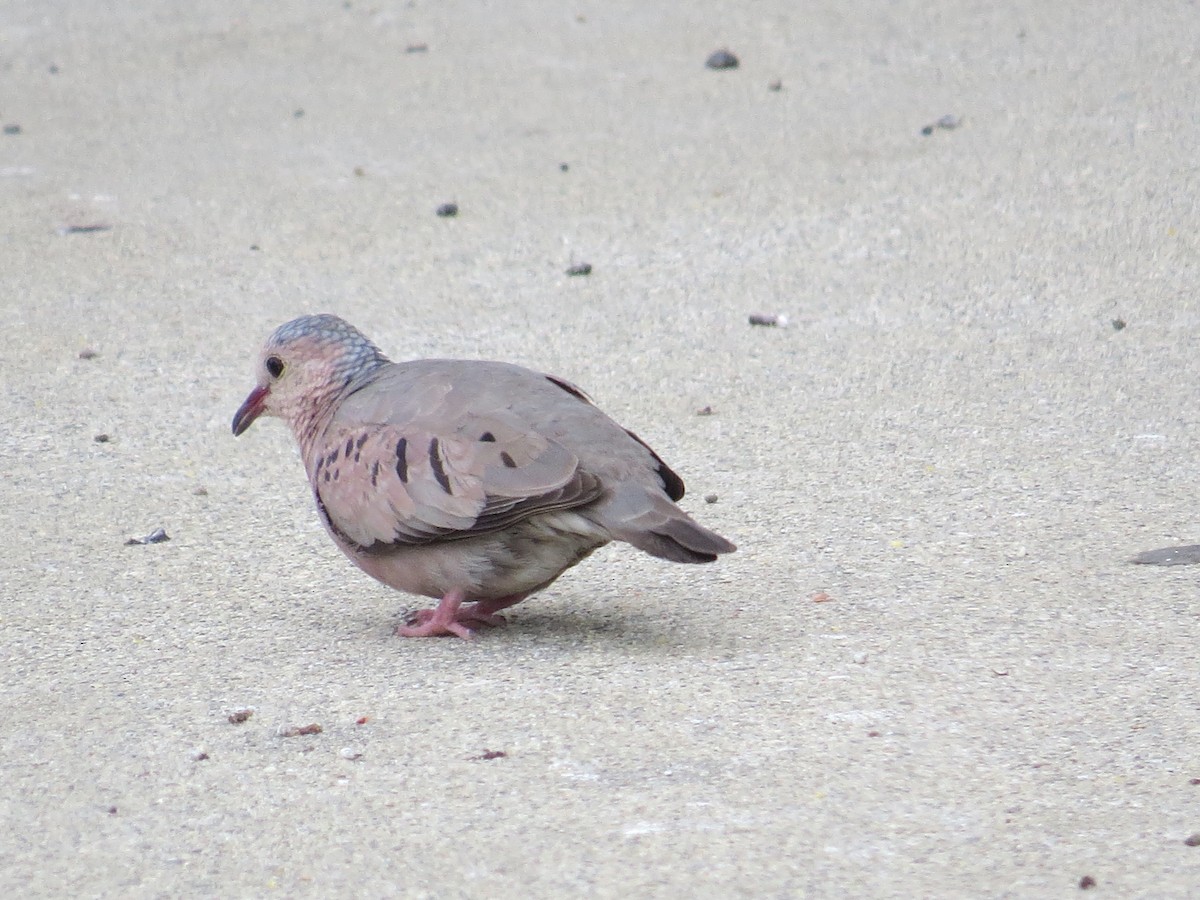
pixel 375 474
pixel 435 462
pixel 569 388
pixel 326 474
pixel 488 438
pixel 362 439
pixel 402 459
pixel 349 446
pixel 332 457
pixel 320 465
pixel 508 461
pixel 336 473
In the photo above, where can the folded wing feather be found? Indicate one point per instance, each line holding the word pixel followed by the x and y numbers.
pixel 382 485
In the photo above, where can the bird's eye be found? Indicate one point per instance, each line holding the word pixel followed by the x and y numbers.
pixel 274 366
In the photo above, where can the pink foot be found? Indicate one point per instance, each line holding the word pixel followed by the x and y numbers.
pixel 485 610
pixel 451 618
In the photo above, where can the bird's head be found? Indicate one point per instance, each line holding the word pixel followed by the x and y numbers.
pixel 304 368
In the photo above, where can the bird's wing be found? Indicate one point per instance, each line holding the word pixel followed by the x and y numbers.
pixel 385 484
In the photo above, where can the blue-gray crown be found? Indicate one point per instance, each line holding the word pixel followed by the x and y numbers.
pixel 355 348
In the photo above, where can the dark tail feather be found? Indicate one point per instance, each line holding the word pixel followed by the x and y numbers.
pixel 666 547
pixel 666 531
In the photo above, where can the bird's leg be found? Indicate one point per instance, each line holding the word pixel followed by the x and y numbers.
pixel 443 620
pixel 451 617
pixel 485 611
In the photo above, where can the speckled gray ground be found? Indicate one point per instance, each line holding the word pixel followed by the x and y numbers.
pixel 951 441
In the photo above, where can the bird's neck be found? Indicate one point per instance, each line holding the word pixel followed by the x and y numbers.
pixel 311 420
pixel 310 424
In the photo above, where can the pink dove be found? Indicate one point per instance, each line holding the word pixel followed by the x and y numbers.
pixel 476 483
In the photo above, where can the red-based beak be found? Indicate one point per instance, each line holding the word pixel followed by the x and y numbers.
pixel 249 411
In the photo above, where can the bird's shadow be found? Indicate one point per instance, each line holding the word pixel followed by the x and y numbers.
pixel 655 632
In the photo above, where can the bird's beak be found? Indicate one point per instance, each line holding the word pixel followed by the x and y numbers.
pixel 250 410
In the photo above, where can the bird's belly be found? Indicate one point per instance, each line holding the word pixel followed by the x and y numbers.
pixel 519 560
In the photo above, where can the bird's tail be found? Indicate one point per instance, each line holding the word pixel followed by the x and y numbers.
pixel 654 524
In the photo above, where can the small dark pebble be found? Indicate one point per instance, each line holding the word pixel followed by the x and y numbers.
pixel 12 129
pixel 768 320
pixel 947 122
pixel 297 730
pixel 200 491
pixel 88 353
pixel 359 171
pixel 53 70
pixel 1087 881
pixel 563 167
pixel 112 810
pixel 874 734
pixel 492 754
pixel 1118 324
pixel 580 269
pixel 255 247
pixel 448 210
pixel 83 229
pixel 1188 555
pixel 200 757
pixel 298 114
pixel 775 85
pixel 710 498
pixel 157 536
pixel 1192 840
pixel 416 48
pixel 704 411
pixel 1194 781
pixel 238 716
pixel 722 59
pixel 102 438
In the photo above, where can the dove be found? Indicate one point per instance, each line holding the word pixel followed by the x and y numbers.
pixel 475 483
